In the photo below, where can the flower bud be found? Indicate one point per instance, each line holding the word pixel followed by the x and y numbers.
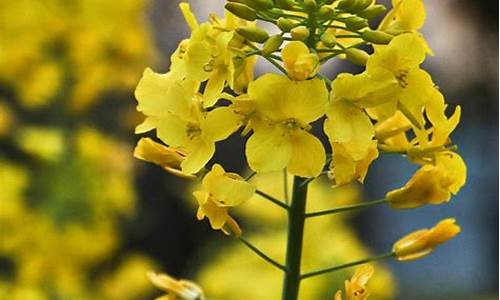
pixel 242 11
pixel 421 243
pixel 345 4
pixel 286 4
pixel 272 44
pixel 359 6
pixel 357 56
pixel 355 23
pixel 326 12
pixel 372 11
pixel 376 37
pixel 286 25
pixel 249 3
pixel 264 4
pixel 328 2
pixel 254 34
pixel 300 33
pixel 310 5
pixel 328 39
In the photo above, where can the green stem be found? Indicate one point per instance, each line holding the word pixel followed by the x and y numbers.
pixel 296 219
pixel 285 186
pixel 272 199
pixel 262 254
pixel 348 265
pixel 346 208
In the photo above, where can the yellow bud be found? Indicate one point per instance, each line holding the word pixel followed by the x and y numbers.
pixel 286 25
pixel 359 5
pixel 300 33
pixel 326 12
pixel 372 11
pixel 357 56
pixel 272 44
pixel 310 5
pixel 355 23
pixel 242 11
pixel 420 243
pixel 286 4
pixel 264 4
pixel 254 34
pixel 345 4
pixel 376 37
pixel 328 39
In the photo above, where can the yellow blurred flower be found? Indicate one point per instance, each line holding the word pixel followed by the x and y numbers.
pixel 176 289
pixel 42 142
pixel 355 288
pixel 421 243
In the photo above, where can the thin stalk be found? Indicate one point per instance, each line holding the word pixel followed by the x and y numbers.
pixel 296 219
pixel 272 199
pixel 250 176
pixel 285 186
pixel 346 208
pixel 262 254
pixel 348 265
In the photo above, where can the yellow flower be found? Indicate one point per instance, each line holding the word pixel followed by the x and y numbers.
pixel 421 243
pixel 221 191
pixel 299 62
pixel 345 169
pixel 173 107
pixel 431 184
pixel 176 289
pixel 355 288
pixel 399 62
pixel 405 16
pixel 168 158
pixel 284 109
pixel 213 53
pixel 391 133
pixel 351 133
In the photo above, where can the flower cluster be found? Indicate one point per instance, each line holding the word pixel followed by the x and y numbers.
pixel 392 106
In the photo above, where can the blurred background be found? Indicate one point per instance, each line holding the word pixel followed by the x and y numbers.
pixel 81 219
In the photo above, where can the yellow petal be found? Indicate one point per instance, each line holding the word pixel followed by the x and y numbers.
pixel 188 16
pixel 200 152
pixel 308 155
pixel 214 87
pixel 226 188
pixel 172 130
pixel 348 125
pixel 268 149
pixel 220 123
pixel 279 98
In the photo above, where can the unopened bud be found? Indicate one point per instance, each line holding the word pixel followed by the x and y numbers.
pixel 328 39
pixel 357 56
pixel 372 11
pixel 272 44
pixel 376 37
pixel 242 11
pixel 345 4
pixel 326 12
pixel 310 5
pixel 254 34
pixel 286 4
pixel 286 25
pixel 359 5
pixel 328 2
pixel 355 23
pixel 264 4
pixel 300 33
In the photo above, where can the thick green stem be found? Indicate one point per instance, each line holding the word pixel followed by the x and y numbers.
pixel 296 218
